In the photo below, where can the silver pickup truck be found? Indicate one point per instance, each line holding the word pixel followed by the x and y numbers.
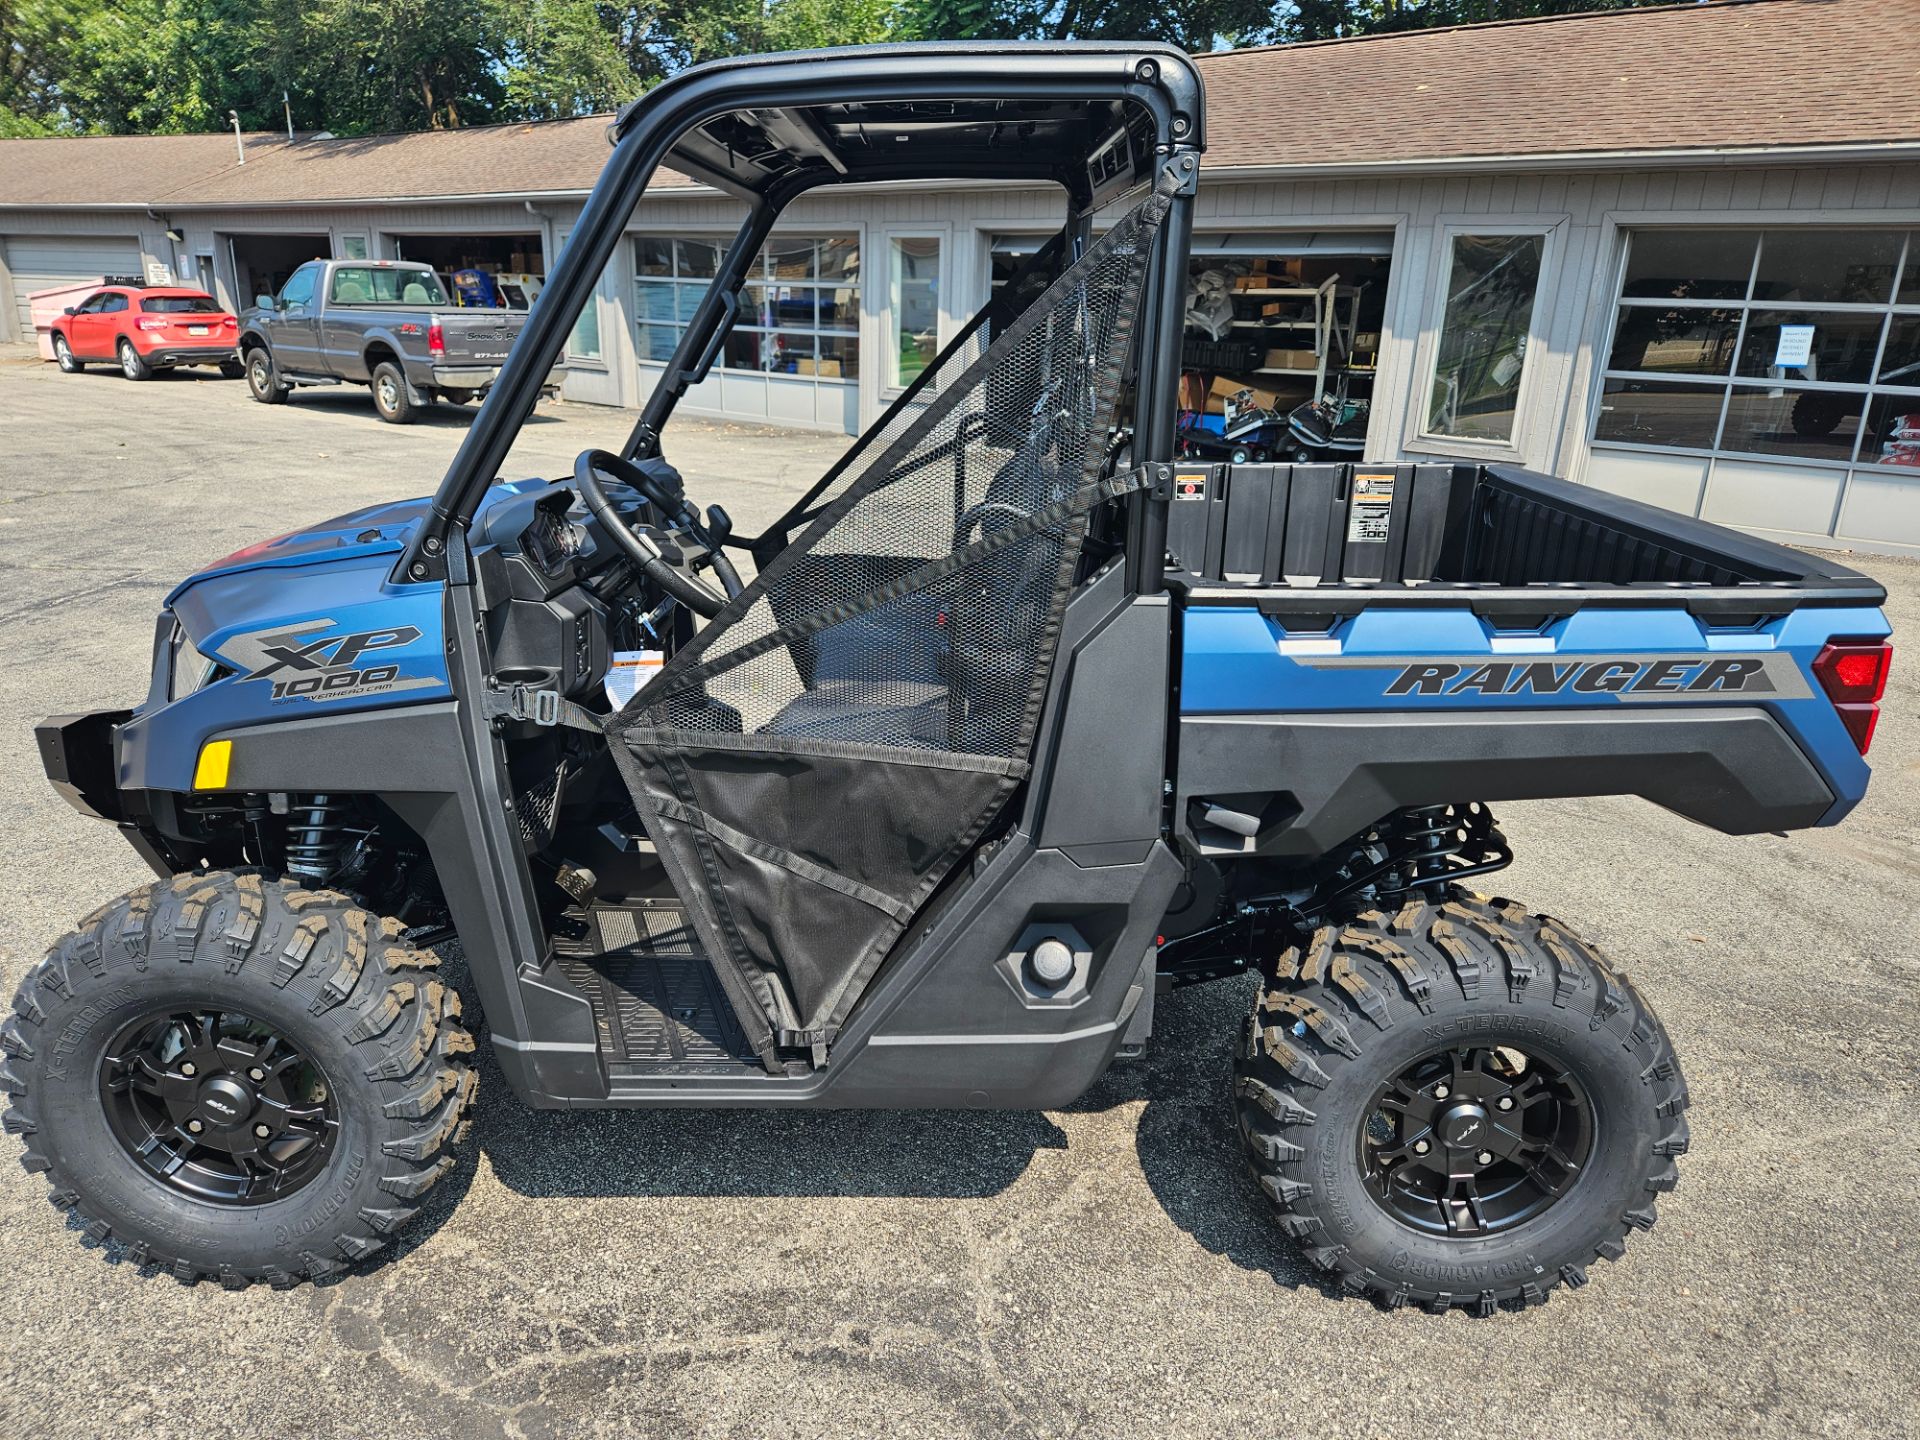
pixel 386 324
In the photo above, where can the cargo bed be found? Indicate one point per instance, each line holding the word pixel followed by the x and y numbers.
pixel 1501 540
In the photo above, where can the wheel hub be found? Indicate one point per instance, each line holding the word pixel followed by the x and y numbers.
pixel 225 1102
pixel 1463 1127
pixel 1474 1140
pixel 217 1106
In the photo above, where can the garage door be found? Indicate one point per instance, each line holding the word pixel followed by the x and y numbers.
pixel 40 262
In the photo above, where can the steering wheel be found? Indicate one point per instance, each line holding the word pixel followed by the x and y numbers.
pixel 670 555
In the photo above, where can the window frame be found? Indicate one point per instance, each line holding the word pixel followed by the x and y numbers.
pixel 747 324
pixel 1869 391
pixel 583 359
pixel 1551 230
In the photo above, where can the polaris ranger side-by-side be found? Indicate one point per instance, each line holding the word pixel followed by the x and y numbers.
pixel 1019 722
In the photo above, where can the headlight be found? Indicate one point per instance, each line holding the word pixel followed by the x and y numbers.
pixel 190 669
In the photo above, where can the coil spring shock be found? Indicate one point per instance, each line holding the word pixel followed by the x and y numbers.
pixel 315 834
pixel 1424 847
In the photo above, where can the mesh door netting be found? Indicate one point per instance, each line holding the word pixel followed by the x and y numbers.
pixel 835 740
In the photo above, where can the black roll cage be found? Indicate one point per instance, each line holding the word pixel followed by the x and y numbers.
pixel 785 94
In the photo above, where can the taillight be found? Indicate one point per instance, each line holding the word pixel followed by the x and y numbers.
pixel 436 339
pixel 150 323
pixel 1854 675
pixel 230 323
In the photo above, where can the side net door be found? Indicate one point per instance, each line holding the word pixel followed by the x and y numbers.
pixel 814 764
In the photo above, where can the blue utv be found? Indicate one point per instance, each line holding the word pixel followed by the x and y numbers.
pixel 1019 723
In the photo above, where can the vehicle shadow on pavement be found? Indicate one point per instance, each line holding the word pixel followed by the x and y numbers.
pixel 355 400
pixel 1188 1147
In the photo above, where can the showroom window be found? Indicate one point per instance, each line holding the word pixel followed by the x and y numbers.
pixel 799 306
pixel 1480 359
pixel 913 306
pixel 1798 343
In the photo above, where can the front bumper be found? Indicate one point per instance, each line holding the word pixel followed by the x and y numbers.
pixel 81 759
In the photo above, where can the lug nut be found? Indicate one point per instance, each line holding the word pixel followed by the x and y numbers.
pixel 1485 1157
pixel 262 1131
pixel 186 1068
pixel 195 1126
pixel 1420 1147
pixel 1440 1092
pixel 256 1073
pixel 1505 1102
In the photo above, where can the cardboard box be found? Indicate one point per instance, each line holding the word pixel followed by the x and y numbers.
pixel 1285 359
pixel 1264 397
pixel 1250 282
pixel 1193 391
pixel 828 369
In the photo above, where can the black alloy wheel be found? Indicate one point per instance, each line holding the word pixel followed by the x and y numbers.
pixel 218 1107
pixel 1475 1140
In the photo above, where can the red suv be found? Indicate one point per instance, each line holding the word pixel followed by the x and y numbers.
pixel 143 329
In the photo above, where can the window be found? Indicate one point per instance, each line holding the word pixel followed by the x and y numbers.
pixel 584 342
pixel 799 305
pixel 1801 343
pixel 179 305
pixel 373 285
pixel 913 306
pixel 299 287
pixel 353 247
pixel 1481 355
pixel 113 304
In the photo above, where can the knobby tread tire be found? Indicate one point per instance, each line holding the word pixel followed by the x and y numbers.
pixel 395 1052
pixel 1455 965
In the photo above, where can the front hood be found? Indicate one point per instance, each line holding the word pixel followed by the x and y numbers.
pixel 375 530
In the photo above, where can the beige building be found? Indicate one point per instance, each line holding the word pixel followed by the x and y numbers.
pixel 1673 253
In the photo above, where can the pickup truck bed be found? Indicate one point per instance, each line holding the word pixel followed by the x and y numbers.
pixel 1359 638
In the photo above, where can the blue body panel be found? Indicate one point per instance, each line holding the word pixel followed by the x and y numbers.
pixel 316 611
pixel 1236 660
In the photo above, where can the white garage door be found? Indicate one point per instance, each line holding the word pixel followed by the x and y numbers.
pixel 40 262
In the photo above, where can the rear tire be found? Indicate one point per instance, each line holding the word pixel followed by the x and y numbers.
pixel 132 365
pixel 64 357
pixel 1361 1104
pixel 263 383
pixel 105 1108
pixel 232 369
pixel 390 398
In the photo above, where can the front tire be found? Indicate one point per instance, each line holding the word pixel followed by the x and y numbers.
pixel 236 1078
pixel 132 365
pixel 390 398
pixel 64 357
pixel 1458 1104
pixel 262 383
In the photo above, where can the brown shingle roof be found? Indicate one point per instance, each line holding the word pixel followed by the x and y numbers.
pixel 1686 77
pixel 1732 74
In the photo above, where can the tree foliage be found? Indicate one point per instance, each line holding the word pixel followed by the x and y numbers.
pixel 358 66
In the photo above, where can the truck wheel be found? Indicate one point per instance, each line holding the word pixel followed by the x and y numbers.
pixel 1458 1104
pixel 132 365
pixel 262 383
pixel 390 395
pixel 237 1079
pixel 63 355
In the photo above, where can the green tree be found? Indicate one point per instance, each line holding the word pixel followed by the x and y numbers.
pixel 561 57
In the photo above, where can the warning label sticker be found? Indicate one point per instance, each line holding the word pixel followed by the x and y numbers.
pixel 1370 508
pixel 1190 485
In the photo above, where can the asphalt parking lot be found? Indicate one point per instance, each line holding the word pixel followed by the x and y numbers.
pixel 1103 1270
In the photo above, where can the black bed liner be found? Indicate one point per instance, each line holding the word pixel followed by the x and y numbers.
pixel 1332 540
